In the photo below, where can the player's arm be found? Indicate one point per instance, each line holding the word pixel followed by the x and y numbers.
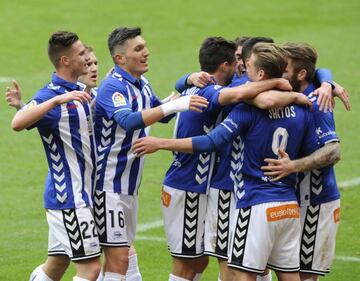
pixel 342 94
pixel 250 90
pixel 129 120
pixel 198 79
pixel 13 96
pixel 215 140
pixel 276 99
pixel 31 114
pixel 324 92
pixel 324 156
pixel 206 143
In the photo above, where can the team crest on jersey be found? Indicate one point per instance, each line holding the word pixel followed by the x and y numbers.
pixel 31 104
pixel 216 87
pixel 165 198
pixel 118 99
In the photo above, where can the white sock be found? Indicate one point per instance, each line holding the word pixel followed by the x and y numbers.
pixel 100 277
pixel 219 277
pixel 176 278
pixel 133 272
pixel 197 277
pixel 77 278
pixel 267 277
pixel 39 275
pixel 112 276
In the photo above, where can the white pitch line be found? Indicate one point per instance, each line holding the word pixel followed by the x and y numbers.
pixel 150 238
pixel 150 225
pixel 6 79
pixel 345 258
pixel 350 182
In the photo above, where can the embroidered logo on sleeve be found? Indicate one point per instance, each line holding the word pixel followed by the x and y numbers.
pixel 288 211
pixel 118 99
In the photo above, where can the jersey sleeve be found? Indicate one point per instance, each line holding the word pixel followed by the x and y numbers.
pixel 51 118
pixel 324 75
pixel 181 85
pixel 324 126
pixel 310 142
pixel 211 93
pixel 113 98
pixel 236 123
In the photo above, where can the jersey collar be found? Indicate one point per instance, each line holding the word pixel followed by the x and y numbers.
pixel 69 86
pixel 139 83
pixel 309 89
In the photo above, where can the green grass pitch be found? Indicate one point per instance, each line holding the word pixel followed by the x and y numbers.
pixel 174 30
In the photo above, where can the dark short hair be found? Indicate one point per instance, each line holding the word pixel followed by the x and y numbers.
pixel 119 36
pixel 239 41
pixel 249 44
pixel 303 56
pixel 60 42
pixel 214 51
pixel 270 58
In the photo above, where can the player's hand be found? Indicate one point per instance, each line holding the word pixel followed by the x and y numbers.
pixel 324 93
pixel 199 79
pixel 145 145
pixel 13 96
pixel 342 94
pixel 198 103
pixel 283 84
pixel 279 168
pixel 172 96
pixel 303 100
pixel 79 96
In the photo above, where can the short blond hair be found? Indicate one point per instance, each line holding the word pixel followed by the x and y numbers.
pixel 270 58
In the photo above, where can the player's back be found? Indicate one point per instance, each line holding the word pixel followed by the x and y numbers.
pixel 264 132
pixel 192 171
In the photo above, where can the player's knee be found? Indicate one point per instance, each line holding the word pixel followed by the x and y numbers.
pixel 94 269
pixel 308 277
pixel 132 251
pixel 118 263
pixel 202 263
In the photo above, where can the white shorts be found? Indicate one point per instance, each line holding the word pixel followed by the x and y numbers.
pixel 116 218
pixel 319 226
pixel 266 235
pixel 72 232
pixel 184 221
pixel 220 208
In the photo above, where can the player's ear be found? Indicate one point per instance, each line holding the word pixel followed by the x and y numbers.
pixel 119 59
pixel 64 60
pixel 301 76
pixel 261 74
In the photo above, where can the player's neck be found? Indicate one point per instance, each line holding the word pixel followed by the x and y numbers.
pixel 67 75
pixel 303 86
pixel 219 79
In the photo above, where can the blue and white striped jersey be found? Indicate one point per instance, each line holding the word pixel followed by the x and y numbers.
pixel 118 169
pixel 192 172
pixel 67 135
pixel 319 185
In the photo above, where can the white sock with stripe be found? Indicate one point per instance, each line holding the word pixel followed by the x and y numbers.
pixel 133 272
pixel 112 276
pixel 176 278
pixel 266 277
pixel 39 275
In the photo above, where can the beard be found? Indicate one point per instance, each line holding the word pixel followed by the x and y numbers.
pixel 295 83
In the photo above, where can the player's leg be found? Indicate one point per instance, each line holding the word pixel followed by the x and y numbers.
pixel 74 230
pixel 52 270
pixel 133 272
pixel 266 276
pixel 244 275
pixel 184 215
pixel 116 216
pixel 284 217
pixel 319 227
pixel 220 206
pixel 287 276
